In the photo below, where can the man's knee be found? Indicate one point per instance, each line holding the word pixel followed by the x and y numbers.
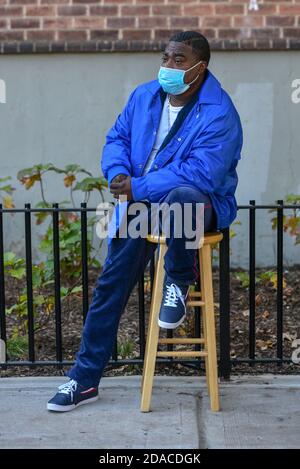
pixel 186 194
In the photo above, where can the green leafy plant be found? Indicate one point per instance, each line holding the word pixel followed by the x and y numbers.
pixel 7 190
pixel 291 223
pixel 17 347
pixel 69 222
pixel 43 272
pixel 43 301
pixel 125 349
pixel 269 276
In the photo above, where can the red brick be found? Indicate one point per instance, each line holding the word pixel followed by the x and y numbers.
pixel 264 9
pixel 57 23
pixel 166 10
pixel 152 22
pixel 198 10
pixel 41 35
pixel 21 2
pixel 116 1
pixel 59 2
pixel 131 34
pixel 247 21
pixel 149 1
pixel 40 11
pixel 22 23
pixel 107 34
pixel 11 35
pixel 181 22
pixel 280 20
pixel 289 9
pixel 265 33
pixel 127 22
pixel 291 32
pixel 72 35
pixel 229 33
pixel 279 43
pixel 209 33
pixel 89 23
pixel 216 21
pixel 165 33
pixel 74 10
pixel 135 10
pixel 106 10
pixel 263 44
pixel 84 1
pixel 230 9
pixel 10 11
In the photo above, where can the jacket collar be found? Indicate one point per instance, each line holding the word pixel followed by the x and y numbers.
pixel 210 91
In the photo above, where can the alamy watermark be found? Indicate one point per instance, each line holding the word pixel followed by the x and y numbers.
pixel 296 352
pixel 2 92
pixel 295 96
pixel 179 220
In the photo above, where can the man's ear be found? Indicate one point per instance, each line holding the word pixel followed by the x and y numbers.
pixel 203 66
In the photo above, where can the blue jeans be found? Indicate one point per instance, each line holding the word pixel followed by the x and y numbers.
pixel 125 262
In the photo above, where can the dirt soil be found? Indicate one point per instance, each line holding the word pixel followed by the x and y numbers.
pixel 128 335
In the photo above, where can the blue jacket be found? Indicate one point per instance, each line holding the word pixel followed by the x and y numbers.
pixel 202 149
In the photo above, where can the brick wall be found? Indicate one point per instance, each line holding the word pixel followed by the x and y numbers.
pixel 87 25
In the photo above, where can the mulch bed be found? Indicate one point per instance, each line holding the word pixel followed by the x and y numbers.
pixel 266 318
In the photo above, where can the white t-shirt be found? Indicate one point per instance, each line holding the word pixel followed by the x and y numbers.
pixel 163 130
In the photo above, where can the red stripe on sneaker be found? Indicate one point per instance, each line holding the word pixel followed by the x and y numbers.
pixel 88 391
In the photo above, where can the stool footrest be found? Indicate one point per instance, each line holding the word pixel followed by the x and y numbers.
pixel 181 354
pixel 182 341
pixel 195 303
pixel 195 294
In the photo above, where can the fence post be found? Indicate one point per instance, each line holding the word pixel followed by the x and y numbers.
pixel 252 263
pixel 279 298
pixel 225 363
pixel 2 295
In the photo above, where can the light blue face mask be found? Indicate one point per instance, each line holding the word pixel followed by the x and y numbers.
pixel 172 79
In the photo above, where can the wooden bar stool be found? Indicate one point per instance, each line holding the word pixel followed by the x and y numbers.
pixel 205 300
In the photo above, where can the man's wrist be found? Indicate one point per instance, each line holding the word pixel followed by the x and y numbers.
pixel 115 171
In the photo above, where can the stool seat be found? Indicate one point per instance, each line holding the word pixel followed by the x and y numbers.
pixel 210 237
pixel 202 299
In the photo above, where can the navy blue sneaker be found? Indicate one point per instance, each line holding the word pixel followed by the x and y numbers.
pixel 173 306
pixel 71 395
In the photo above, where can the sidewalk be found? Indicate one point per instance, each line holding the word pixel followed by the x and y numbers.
pixel 257 412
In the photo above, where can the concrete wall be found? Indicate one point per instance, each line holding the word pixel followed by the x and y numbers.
pixel 60 106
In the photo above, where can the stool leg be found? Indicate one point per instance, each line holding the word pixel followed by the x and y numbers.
pixel 153 332
pixel 204 333
pixel 205 345
pixel 209 325
pixel 147 341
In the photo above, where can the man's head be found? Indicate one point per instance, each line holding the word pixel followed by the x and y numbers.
pixel 184 50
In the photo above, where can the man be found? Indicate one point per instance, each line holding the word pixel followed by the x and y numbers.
pixel 178 139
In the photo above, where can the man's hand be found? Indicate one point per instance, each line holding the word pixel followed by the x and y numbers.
pixel 121 186
pixel 119 178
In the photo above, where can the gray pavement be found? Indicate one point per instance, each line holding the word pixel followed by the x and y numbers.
pixel 257 412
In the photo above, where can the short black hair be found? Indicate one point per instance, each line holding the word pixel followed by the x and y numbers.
pixel 196 40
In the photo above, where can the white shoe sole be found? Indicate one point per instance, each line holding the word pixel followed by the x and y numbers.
pixel 171 325
pixel 67 408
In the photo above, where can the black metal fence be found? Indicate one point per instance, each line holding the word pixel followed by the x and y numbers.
pixel 225 360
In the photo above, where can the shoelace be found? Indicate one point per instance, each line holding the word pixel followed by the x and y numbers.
pixel 172 295
pixel 68 388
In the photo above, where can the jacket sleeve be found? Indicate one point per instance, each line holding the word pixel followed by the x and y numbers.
pixel 213 154
pixel 116 151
